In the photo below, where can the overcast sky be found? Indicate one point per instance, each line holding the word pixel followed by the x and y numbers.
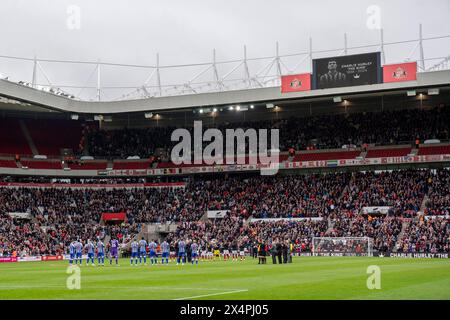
pixel 184 32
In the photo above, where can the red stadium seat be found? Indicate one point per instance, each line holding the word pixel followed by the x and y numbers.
pixel 394 152
pixel 327 155
pixel 128 165
pixel 41 164
pixel 12 139
pixel 89 165
pixel 8 164
pixel 50 136
pixel 434 150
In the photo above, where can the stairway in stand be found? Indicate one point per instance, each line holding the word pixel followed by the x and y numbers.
pixel 27 136
pixel 405 225
pixel 424 203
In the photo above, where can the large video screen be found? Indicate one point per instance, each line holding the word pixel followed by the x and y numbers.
pixel 352 70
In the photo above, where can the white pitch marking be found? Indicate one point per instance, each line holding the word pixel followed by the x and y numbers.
pixel 117 287
pixel 211 294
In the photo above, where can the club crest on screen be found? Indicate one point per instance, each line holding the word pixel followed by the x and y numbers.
pixel 296 83
pixel 399 73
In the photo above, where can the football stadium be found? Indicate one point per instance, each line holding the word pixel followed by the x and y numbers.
pixel 320 171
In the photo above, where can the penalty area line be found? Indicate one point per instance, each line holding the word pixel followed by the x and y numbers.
pixel 211 294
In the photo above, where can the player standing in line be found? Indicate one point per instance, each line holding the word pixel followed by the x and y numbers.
pixel 152 252
pixel 210 252
pixel 199 251
pixel 226 252
pixel 234 251
pixel 216 250
pixel 134 252
pixel 203 253
pixel 165 249
pixel 194 250
pixel 173 251
pixel 143 251
pixel 79 252
pixel 72 252
pixel 90 248
pixel 101 253
pixel 114 251
pixel 241 252
pixel 181 252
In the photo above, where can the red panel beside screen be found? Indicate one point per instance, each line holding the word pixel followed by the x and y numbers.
pixel 400 72
pixel 296 82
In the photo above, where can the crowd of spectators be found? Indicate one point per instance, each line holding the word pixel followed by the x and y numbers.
pixel 403 191
pixel 234 230
pixel 226 230
pixel 22 236
pixel 314 195
pixel 317 132
pixel 426 235
pixel 59 214
pixel 127 142
pixel 384 230
pixel 438 202
pixel 63 205
pixel 31 237
pixel 298 232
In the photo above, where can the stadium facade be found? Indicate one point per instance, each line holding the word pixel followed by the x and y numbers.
pixel 56 152
pixel 214 109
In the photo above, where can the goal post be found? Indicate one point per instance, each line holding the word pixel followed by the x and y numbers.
pixel 342 246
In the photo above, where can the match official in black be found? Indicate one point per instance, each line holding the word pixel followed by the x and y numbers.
pixel 285 251
pixel 279 252
pixel 274 252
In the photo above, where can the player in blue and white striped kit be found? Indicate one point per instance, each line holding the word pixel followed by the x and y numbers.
pixel 165 249
pixel 143 251
pixel 101 253
pixel 90 248
pixel 134 252
pixel 181 252
pixel 78 252
pixel 194 252
pixel 72 252
pixel 152 252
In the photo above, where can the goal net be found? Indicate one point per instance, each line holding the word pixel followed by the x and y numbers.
pixel 342 246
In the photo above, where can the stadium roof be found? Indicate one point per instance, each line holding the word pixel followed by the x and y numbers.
pixel 39 100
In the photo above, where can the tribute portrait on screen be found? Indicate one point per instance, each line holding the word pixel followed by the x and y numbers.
pixel 343 71
pixel 333 77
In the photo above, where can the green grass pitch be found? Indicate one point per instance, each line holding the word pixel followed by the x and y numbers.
pixel 305 278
